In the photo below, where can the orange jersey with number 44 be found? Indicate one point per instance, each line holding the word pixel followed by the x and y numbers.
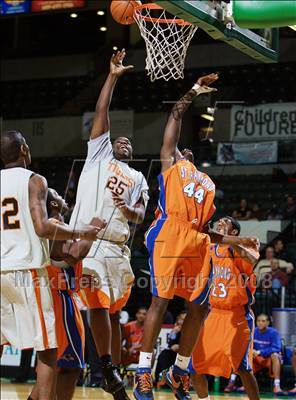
pixel 186 193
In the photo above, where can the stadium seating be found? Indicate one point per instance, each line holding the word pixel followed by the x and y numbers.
pixel 45 97
pixel 38 97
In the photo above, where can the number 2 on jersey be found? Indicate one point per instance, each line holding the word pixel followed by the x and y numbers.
pixel 190 191
pixel 12 209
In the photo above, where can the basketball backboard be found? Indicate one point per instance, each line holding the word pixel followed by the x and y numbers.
pixel 214 17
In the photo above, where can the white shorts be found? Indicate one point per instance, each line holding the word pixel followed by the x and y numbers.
pixel 27 313
pixel 109 264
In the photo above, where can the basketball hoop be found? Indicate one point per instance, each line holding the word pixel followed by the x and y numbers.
pixel 167 40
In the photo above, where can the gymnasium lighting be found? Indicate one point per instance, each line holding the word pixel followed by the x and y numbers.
pixel 73 15
pixel 208 117
pixel 206 164
pixel 293 27
pixel 103 28
pixel 115 48
pixel 101 12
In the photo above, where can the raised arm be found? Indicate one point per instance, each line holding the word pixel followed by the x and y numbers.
pixel 250 242
pixel 169 150
pixel 43 226
pixel 101 123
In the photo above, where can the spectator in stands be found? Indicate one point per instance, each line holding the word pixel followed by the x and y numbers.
pixel 279 276
pixel 168 356
pixel 263 268
pixel 274 213
pixel 132 338
pixel 266 354
pixel 256 213
pixel 279 250
pixel 292 392
pixel 267 350
pixel 243 213
pixel 290 208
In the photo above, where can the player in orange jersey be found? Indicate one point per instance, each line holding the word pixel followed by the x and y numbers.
pixel 179 250
pixel 226 340
pixel 65 275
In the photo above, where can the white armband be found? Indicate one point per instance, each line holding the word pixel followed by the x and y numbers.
pixel 202 89
pixel 196 87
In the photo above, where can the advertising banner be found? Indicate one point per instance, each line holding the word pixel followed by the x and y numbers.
pixel 14 6
pixel 49 5
pixel 263 122
pixel 122 123
pixel 247 153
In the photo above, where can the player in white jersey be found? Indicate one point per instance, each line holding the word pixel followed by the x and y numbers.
pixel 110 189
pixel 27 316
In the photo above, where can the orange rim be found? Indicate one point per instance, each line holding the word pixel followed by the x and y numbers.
pixel 153 6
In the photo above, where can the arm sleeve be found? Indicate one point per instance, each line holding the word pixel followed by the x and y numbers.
pixel 275 346
pixel 98 149
pixel 140 191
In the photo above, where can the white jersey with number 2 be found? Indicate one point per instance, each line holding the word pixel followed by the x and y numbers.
pixel 21 248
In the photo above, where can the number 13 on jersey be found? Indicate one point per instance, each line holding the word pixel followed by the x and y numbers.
pixel 190 191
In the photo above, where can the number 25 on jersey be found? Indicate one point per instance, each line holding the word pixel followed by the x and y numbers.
pixel 190 191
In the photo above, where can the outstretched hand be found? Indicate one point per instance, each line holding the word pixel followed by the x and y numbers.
pixel 116 67
pixel 205 81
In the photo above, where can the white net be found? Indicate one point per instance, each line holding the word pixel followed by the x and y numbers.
pixel 167 39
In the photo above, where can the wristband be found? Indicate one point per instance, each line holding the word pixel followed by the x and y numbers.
pixel 196 87
pixel 202 89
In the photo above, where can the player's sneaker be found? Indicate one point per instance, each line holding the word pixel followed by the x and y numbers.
pixel 292 392
pixel 143 389
pixel 241 389
pixel 277 391
pixel 178 381
pixel 230 387
pixel 113 383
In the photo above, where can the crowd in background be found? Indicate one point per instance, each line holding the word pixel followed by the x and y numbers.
pixel 246 211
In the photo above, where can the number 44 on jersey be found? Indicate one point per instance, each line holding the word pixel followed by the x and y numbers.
pixel 190 191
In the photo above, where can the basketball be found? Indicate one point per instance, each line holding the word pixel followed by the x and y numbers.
pixel 123 11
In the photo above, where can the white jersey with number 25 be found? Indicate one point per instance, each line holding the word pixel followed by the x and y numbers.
pixel 101 175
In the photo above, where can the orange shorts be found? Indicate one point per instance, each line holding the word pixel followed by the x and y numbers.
pixel 180 260
pixel 260 363
pixel 225 344
pixel 93 297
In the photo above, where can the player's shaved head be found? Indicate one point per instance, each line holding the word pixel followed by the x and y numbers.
pixel 187 153
pixel 14 147
pixel 55 202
